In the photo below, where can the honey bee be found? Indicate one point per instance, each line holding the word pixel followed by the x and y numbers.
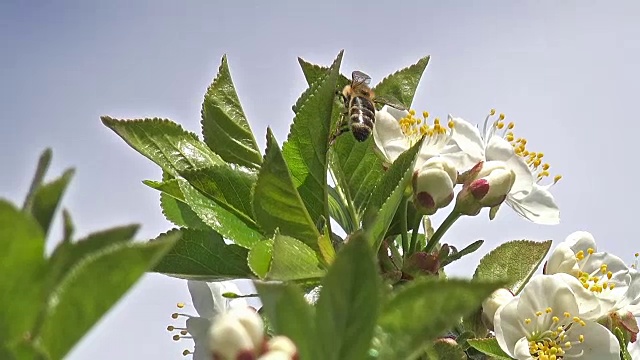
pixel 359 115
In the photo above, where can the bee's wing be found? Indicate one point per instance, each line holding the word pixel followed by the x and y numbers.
pixel 389 100
pixel 358 77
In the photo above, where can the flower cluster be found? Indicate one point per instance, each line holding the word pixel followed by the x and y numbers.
pixel 227 329
pixel 572 309
pixel 493 166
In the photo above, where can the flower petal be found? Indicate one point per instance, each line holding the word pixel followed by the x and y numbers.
pixel 198 328
pixel 207 297
pixel 538 207
pixel 562 260
pixel 501 150
pixel 581 240
pixel 507 326
pixel 599 343
pixel 388 136
pixel 467 138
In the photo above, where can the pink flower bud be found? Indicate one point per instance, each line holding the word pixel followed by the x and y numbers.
pixel 433 185
pixel 280 347
pixel 236 335
pixel 486 185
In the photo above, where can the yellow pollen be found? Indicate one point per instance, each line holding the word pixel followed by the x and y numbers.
pixel 548 310
pixel 555 319
pixel 180 305
pixel 500 125
pixel 425 114
pixel 501 117
pixel 492 112
pixel 412 112
pixel 566 314
pixel 511 125
pixel 591 251
pixel 538 313
pixel 581 338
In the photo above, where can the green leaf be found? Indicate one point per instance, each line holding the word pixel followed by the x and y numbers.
pixel 489 347
pixel 459 254
pixel 241 231
pixel 169 186
pixel 506 263
pixel 387 195
pixel 46 199
pixel 417 314
pixel 277 203
pixel 402 84
pixel 293 260
pixel 180 213
pixel 357 169
pixel 68 254
pixel 67 226
pixel 224 125
pixel 22 267
pixel 92 287
pixel 203 255
pixel 305 150
pixel 229 187
pixel 41 169
pixel 290 315
pixel 260 256
pixel 313 73
pixel 349 301
pixel 165 143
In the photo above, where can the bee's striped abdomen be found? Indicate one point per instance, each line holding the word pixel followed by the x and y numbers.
pixel 362 117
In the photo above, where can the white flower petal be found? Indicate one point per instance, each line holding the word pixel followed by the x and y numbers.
pixel 507 326
pixel 500 149
pixel 538 207
pixel 562 260
pixel 207 297
pixel 467 138
pixel 199 328
pixel 581 240
pixel 521 350
pixel 599 343
pixel 589 306
pixel 388 136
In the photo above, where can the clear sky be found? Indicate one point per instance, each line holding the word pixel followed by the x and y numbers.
pixel 565 72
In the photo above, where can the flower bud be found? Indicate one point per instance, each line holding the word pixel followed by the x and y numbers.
pixel 433 185
pixel 491 304
pixel 236 334
pixel 486 185
pixel 282 344
pixel 421 264
pixel 277 355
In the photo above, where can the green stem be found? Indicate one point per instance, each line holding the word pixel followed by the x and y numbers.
pixel 446 224
pixel 403 227
pixel 414 234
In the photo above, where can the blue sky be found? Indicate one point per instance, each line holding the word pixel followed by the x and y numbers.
pixel 565 72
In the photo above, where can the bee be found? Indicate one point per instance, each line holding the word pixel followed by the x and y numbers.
pixel 359 115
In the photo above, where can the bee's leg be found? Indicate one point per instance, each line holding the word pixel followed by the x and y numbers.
pixel 341 96
pixel 342 128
